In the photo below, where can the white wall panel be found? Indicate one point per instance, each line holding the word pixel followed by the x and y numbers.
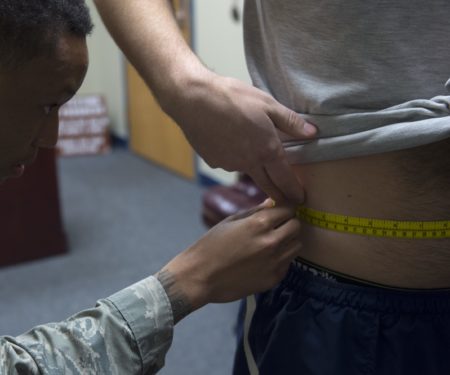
pixel 218 41
pixel 106 74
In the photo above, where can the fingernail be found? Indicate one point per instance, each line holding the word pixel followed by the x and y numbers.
pixel 269 202
pixel 309 129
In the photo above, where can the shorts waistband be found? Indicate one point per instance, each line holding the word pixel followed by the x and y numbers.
pixel 327 288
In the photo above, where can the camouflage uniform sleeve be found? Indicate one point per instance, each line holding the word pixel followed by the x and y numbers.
pixel 126 333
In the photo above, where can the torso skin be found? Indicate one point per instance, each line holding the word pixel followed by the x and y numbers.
pixel 403 185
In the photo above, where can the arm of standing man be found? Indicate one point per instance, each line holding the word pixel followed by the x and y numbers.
pixel 131 331
pixel 232 125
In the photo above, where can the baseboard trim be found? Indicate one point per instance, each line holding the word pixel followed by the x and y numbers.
pixel 118 142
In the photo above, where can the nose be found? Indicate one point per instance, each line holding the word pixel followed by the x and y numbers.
pixel 48 135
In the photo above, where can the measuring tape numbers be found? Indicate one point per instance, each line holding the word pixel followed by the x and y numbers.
pixel 375 227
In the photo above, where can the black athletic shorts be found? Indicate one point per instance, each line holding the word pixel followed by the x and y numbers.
pixel 314 323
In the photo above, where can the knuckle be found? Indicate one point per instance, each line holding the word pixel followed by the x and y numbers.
pixel 274 146
pixel 295 225
pixel 269 243
pixel 261 222
pixel 268 100
pixel 293 252
pixel 273 151
pixel 293 120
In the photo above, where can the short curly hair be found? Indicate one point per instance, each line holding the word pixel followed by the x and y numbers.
pixel 31 28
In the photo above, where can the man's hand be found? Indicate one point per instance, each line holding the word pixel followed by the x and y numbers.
pixel 234 126
pixel 244 254
pixel 230 124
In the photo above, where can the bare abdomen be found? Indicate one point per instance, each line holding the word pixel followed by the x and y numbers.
pixel 404 185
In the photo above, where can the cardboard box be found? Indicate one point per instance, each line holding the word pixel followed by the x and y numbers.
pixel 84 127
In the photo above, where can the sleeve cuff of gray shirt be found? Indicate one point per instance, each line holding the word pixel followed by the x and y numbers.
pixel 147 310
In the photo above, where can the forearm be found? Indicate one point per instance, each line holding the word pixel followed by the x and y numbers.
pixel 129 332
pixel 148 34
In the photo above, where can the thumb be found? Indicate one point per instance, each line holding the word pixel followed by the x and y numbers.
pixel 292 123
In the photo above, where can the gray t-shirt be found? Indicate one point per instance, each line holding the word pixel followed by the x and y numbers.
pixel 372 75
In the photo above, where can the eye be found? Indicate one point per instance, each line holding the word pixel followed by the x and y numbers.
pixel 50 108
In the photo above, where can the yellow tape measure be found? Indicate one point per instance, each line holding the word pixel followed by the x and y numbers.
pixel 375 227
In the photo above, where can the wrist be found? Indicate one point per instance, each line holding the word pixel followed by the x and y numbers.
pixel 184 88
pixel 185 292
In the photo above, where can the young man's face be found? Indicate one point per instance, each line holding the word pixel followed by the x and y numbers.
pixel 30 97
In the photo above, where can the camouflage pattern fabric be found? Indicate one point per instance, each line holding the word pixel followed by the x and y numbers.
pixel 126 333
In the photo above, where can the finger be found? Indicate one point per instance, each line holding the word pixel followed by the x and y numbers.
pixel 291 122
pixel 288 231
pixel 284 264
pixel 287 256
pixel 261 178
pixel 272 218
pixel 283 177
pixel 265 219
pixel 291 251
pixel 268 203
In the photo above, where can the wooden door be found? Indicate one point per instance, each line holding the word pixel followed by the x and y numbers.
pixel 153 134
